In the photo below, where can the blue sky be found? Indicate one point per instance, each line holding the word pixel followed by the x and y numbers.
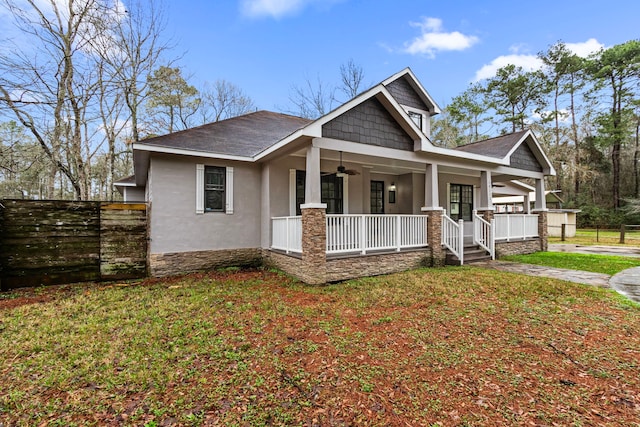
pixel 266 46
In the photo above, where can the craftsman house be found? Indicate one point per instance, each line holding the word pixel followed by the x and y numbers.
pixel 360 191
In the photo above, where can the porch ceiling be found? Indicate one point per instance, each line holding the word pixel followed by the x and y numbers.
pixel 398 166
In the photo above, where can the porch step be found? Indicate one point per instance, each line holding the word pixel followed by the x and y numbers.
pixel 471 254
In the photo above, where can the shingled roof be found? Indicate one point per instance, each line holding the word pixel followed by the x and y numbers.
pixel 497 147
pixel 244 136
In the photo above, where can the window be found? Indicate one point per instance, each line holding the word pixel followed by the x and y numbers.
pixel 331 192
pixel 377 197
pixel 460 202
pixel 417 118
pixel 214 189
pixel 301 176
pixel 331 187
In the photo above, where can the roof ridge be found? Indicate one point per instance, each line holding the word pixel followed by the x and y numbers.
pixel 204 125
pixel 494 137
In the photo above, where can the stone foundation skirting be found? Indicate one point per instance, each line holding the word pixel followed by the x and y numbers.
pixel 291 264
pixel 186 262
pixel 375 264
pixel 349 267
pixel 518 247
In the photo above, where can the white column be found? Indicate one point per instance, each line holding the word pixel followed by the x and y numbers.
pixel 431 196
pixel 312 192
pixel 486 203
pixel 527 205
pixel 265 207
pixel 366 189
pixel 541 202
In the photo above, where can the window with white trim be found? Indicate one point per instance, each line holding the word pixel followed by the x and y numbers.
pixel 214 189
pixel 417 118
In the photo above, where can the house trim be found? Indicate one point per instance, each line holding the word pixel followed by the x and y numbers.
pixel 538 153
pixel 185 152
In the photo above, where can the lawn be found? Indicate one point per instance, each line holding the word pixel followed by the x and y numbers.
pixel 452 346
pixel 575 261
pixel 601 237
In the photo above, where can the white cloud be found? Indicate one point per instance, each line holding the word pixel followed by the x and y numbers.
pixel 585 49
pixel 563 115
pixel 277 8
pixel 433 39
pixel 532 62
pixel 527 62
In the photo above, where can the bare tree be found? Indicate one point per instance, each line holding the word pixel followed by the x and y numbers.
pixel 315 99
pixel 222 100
pixel 312 100
pixel 128 51
pixel 351 77
pixel 49 84
pixel 139 46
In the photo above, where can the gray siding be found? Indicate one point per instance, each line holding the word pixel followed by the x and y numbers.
pixel 175 226
pixel 369 123
pixel 402 91
pixel 134 194
pixel 523 158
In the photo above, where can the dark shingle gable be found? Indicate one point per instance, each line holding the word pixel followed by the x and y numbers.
pixel 497 147
pixel 243 136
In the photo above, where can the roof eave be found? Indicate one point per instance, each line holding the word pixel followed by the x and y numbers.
pixel 417 86
pixel 547 166
pixel 187 152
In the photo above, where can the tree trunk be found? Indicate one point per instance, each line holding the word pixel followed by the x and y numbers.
pixel 616 112
pixel 636 159
pixel 576 143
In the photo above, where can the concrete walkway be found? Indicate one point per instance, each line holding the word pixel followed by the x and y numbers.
pixel 595 249
pixel 585 277
pixel 626 282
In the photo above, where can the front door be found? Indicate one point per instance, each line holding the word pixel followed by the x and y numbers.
pixel 461 207
pixel 377 197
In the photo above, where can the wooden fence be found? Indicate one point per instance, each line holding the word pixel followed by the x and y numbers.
pixel 52 242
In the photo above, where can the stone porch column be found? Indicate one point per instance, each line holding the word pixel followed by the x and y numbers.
pixel 541 210
pixel 314 245
pixel 434 236
pixel 487 214
pixel 434 211
pixel 542 230
pixel 314 226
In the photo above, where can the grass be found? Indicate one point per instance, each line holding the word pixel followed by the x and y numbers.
pixel 450 346
pixel 601 237
pixel 605 264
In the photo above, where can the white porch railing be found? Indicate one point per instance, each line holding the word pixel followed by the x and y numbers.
pixel 483 234
pixel 453 236
pixel 511 227
pixel 365 233
pixel 286 233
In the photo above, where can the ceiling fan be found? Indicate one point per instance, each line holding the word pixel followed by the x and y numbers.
pixel 342 170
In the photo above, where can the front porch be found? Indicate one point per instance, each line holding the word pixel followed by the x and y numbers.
pixel 357 210
pixel 355 234
pixel 350 246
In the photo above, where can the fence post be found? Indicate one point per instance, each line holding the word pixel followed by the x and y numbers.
pixel 597 233
pixel 563 232
pixel 363 234
pixel 461 240
pixel 287 233
pixel 622 230
pixel 398 237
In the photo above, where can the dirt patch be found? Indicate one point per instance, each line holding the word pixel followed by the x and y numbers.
pixel 444 347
